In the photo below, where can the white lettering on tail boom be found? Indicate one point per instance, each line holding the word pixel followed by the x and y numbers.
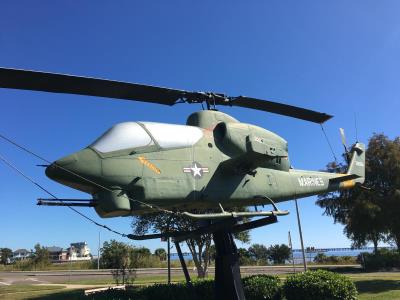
pixel 310 181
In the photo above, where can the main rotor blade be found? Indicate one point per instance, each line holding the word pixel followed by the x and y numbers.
pixel 69 84
pixel 281 109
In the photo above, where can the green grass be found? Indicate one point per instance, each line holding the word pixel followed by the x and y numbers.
pixel 371 286
pixel 26 291
pixel 378 286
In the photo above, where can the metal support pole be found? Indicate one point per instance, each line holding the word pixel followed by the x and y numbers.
pixel 183 263
pixel 169 259
pixel 301 236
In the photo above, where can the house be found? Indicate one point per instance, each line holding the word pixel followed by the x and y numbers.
pixel 57 254
pixel 21 254
pixel 76 251
pixel 79 251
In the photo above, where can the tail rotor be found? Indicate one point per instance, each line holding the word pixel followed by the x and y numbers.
pixel 346 150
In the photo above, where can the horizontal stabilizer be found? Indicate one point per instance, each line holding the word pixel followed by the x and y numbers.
pixel 344 178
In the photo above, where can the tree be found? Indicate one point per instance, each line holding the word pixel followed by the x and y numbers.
pixel 212 252
pixel 41 256
pixel 279 253
pixel 119 257
pixel 141 251
pixel 161 253
pixel 199 247
pixel 258 252
pixel 370 215
pixel 320 258
pixel 245 257
pixel 6 255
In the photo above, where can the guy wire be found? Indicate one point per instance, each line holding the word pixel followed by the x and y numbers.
pixel 12 166
pixel 155 207
pixel 330 146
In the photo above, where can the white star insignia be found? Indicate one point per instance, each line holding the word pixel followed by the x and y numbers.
pixel 196 170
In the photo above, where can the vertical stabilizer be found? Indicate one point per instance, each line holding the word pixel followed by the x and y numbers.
pixel 357 163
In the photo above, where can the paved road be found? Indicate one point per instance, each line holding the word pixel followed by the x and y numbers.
pixel 42 277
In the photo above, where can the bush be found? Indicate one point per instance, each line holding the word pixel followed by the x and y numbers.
pixel 383 259
pixel 255 288
pixel 322 258
pixel 204 289
pixel 177 291
pixel 259 287
pixel 316 285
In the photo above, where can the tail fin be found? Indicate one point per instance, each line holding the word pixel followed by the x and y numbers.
pixel 357 163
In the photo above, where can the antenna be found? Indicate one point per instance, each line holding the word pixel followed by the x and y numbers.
pixel 355 125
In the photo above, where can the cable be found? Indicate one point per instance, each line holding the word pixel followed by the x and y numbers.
pixel 12 166
pixel 81 177
pixel 330 146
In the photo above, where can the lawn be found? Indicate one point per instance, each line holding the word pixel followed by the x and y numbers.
pixel 377 286
pixel 371 286
pixel 14 292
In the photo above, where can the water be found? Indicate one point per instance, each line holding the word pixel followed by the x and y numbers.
pixel 298 258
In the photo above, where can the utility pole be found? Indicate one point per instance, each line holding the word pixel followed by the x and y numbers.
pixel 98 254
pixel 291 251
pixel 301 235
pixel 169 259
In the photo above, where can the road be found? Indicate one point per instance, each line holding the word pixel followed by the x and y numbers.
pixel 51 277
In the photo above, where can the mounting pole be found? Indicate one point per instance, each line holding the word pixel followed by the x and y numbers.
pixel 301 236
pixel 228 282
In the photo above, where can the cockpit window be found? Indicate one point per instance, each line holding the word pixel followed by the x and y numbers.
pixel 174 136
pixel 123 136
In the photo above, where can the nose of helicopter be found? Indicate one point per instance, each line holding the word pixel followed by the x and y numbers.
pixel 77 170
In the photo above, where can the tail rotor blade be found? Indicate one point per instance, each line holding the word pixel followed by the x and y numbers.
pixel 343 136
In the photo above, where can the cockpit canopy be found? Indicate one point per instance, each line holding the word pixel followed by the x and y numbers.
pixel 130 135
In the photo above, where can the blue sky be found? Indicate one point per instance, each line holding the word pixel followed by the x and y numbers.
pixel 338 57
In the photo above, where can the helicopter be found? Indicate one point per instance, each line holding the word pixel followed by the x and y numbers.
pixel 202 170
pixel 213 162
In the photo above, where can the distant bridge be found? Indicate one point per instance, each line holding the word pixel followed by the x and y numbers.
pixel 316 250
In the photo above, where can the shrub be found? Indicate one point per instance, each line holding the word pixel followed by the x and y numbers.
pixel 259 287
pixel 255 288
pixel 316 285
pixel 383 259
pixel 204 289
pixel 177 291
pixel 322 258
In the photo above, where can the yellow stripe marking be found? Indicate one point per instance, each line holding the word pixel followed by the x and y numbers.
pixel 149 165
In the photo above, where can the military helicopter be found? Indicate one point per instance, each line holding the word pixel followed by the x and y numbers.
pixel 214 162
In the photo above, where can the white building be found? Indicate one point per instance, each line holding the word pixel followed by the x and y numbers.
pixel 79 251
pixel 21 254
